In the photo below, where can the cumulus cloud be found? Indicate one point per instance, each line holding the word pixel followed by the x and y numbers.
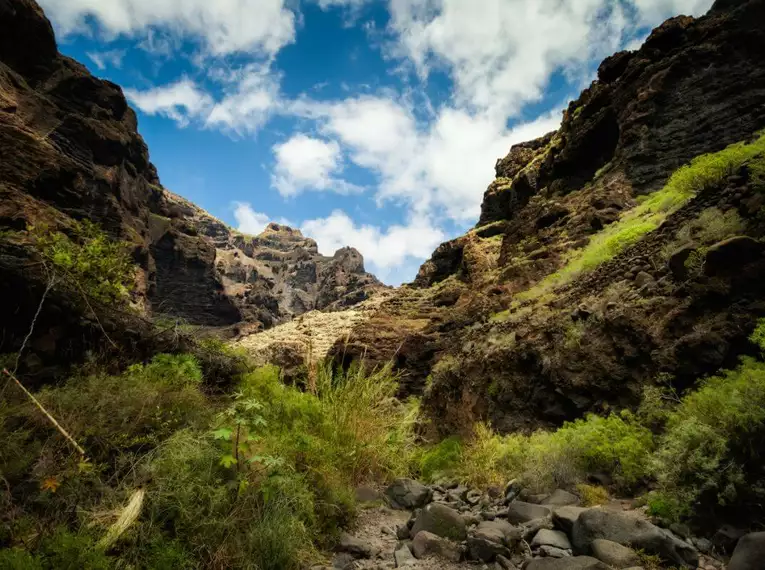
pixel 109 58
pixel 224 26
pixel 248 220
pixel 181 101
pixel 443 166
pixel 502 56
pixel 384 250
pixel 307 163
pixel 251 94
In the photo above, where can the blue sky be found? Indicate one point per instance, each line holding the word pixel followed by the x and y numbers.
pixel 365 123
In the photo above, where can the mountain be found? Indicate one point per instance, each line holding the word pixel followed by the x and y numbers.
pixel 573 291
pixel 70 150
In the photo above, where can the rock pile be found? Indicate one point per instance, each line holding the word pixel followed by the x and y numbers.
pixel 451 526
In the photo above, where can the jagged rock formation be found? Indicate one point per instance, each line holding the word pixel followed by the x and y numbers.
pixel 498 346
pixel 70 150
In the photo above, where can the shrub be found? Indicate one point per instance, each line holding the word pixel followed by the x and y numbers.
pixel 758 336
pixel 546 460
pixel 708 455
pixel 441 459
pixel 89 262
pixel 703 172
pixel 592 495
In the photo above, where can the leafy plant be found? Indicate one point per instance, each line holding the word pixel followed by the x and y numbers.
pixel 88 262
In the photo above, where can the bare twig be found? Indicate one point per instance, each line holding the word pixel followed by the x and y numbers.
pixel 45 412
pixel 51 282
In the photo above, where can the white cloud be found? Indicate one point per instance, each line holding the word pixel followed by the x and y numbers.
pixel 503 55
pixel 326 4
pixel 442 167
pixel 652 12
pixel 180 101
pixel 104 59
pixel 251 95
pixel 248 220
pixel 225 26
pixel 384 251
pixel 307 163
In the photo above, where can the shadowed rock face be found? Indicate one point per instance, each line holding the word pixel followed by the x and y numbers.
pixel 70 150
pixel 695 86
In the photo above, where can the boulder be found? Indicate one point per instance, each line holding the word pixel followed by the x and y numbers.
pixel 643 278
pixel 554 538
pixel 408 494
pixel 486 550
pixel 428 544
pixel 565 517
pixel 354 546
pixel 553 551
pixel 749 553
pixel 560 498
pixel 519 512
pixel 614 554
pixel 568 563
pixel 366 494
pixel 403 557
pixel 625 529
pixel 441 521
pixel 728 256
pixel 505 563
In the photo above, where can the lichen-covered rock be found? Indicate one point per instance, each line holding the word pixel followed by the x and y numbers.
pixel 614 554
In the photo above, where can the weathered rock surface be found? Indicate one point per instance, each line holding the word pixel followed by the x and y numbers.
pixel 624 529
pixel 521 512
pixel 614 554
pixel 428 544
pixel 441 521
pixel 570 563
pixel 408 494
pixel 749 553
pixel 70 150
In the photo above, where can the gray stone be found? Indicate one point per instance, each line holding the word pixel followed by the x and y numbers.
pixel 643 278
pixel 441 521
pixel 428 544
pixel 554 538
pixel 486 550
pixel 531 528
pixel 407 494
pixel 568 563
pixel 471 519
pixel 614 554
pixel 704 545
pixel 728 256
pixel 402 532
pixel 505 563
pixel 676 263
pixel 561 498
pixel 403 557
pixel 366 494
pixel 535 499
pixel 553 551
pixel 499 531
pixel 625 529
pixel 512 489
pixel 520 512
pixel 354 546
pixel 749 553
pixel 343 561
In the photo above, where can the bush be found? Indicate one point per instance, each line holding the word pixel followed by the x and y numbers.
pixel 617 445
pixel 709 454
pixel 703 172
pixel 441 459
pixel 88 263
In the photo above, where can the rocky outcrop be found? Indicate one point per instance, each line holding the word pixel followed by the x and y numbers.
pixel 70 150
pixel 483 333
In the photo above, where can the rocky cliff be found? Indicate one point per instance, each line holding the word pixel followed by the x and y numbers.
pixel 70 150
pixel 567 296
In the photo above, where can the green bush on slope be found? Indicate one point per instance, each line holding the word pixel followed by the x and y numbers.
pixel 702 172
pixel 289 492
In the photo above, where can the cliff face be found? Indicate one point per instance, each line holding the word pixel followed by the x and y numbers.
pixel 492 323
pixel 70 150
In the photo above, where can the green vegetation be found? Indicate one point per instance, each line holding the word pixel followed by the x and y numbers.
pixel 261 479
pixel 88 261
pixel 703 172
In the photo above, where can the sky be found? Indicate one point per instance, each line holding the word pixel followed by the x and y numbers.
pixel 374 124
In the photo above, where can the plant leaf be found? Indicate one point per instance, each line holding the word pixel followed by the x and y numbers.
pixel 223 433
